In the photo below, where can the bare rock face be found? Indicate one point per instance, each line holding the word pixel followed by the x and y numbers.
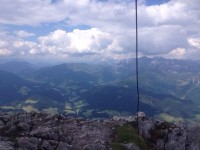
pixel 5 144
pixel 193 137
pixel 167 136
pixel 131 146
pixel 33 131
pixel 176 139
pixel 28 143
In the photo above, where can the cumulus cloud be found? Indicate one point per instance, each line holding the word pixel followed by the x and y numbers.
pixel 162 39
pixel 92 42
pixel 78 41
pixel 177 53
pixel 22 47
pixel 168 29
pixel 195 42
pixel 24 34
pixel 3 50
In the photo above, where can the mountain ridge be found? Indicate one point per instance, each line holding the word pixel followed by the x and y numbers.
pixel 167 86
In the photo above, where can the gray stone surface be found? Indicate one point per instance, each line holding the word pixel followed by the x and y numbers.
pixel 26 143
pixel 131 146
pixel 32 131
pixel 6 145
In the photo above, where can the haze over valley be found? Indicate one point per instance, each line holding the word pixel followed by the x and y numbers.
pixel 169 88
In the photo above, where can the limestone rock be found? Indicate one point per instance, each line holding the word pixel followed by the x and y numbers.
pixel 26 143
pixel 131 146
pixel 5 144
pixel 33 131
pixel 64 146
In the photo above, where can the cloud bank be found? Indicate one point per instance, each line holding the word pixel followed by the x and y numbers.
pixel 170 29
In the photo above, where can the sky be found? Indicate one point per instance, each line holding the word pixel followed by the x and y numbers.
pixel 65 30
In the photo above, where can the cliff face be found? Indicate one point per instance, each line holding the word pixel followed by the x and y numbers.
pixel 32 131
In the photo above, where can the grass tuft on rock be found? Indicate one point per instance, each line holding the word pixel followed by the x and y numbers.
pixel 127 134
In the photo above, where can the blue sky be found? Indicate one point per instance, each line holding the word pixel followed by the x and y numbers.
pixel 156 2
pixel 98 29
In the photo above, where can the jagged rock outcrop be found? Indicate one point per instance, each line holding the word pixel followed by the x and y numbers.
pixel 32 131
pixel 44 131
pixel 162 135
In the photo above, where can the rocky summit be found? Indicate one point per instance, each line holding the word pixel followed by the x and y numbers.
pixel 41 131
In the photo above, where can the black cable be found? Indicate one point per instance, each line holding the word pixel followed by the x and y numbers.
pixel 137 66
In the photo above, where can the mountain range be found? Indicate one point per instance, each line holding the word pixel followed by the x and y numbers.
pixel 169 88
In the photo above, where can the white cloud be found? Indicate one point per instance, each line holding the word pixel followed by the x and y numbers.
pixel 33 12
pixel 3 43
pixel 22 47
pixel 163 29
pixel 91 42
pixel 78 41
pixel 24 34
pixel 161 39
pixel 4 47
pixel 195 42
pixel 177 53
pixel 4 52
